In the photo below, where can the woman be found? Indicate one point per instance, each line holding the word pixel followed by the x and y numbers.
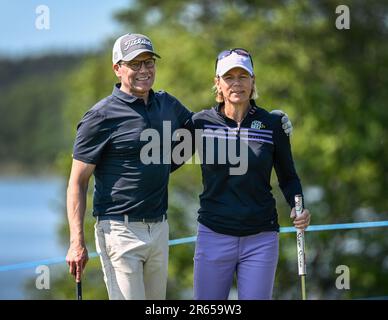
pixel 238 223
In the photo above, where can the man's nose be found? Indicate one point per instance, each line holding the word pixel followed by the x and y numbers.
pixel 143 67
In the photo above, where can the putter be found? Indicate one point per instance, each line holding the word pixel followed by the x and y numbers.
pixel 300 246
pixel 79 290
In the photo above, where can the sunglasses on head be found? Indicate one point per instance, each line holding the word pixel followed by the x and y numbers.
pixel 239 51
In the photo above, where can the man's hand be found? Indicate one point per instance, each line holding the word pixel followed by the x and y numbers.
pixel 286 122
pixel 302 221
pixel 77 258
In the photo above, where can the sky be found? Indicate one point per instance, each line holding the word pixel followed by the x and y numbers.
pixel 72 25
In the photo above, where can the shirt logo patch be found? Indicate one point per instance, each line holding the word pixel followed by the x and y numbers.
pixel 256 124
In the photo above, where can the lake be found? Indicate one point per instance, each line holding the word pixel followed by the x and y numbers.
pixel 31 210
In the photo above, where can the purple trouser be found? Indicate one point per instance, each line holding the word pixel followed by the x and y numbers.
pixel 218 256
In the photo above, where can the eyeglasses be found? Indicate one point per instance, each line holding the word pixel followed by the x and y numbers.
pixel 135 65
pixel 239 51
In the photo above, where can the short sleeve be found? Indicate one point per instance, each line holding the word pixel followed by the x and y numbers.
pixel 91 139
pixel 183 114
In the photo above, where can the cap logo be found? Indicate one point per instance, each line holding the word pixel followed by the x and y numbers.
pixel 137 41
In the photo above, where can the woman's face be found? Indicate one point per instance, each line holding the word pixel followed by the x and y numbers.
pixel 236 86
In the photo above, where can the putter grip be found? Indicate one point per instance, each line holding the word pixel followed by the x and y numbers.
pixel 300 237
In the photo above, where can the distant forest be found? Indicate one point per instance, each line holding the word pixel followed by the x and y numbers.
pixel 32 93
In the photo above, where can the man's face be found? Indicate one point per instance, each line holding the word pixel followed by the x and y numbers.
pixel 137 82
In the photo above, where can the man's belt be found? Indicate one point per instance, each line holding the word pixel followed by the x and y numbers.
pixel 121 217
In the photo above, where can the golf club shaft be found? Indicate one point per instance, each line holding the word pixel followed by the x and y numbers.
pixel 303 286
pixel 79 290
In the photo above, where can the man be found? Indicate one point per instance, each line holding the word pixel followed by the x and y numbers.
pixel 130 197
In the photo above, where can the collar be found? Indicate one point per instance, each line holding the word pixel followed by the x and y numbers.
pixel 253 109
pixel 129 98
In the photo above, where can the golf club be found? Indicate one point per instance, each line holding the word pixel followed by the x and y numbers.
pixel 79 290
pixel 300 246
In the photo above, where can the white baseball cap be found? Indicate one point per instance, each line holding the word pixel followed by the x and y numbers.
pixel 130 45
pixel 234 60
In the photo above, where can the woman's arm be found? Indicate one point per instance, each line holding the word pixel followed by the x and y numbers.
pixel 288 178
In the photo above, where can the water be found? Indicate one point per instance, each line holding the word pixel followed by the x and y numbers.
pixel 30 212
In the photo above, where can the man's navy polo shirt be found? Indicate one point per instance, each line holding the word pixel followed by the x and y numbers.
pixel 109 137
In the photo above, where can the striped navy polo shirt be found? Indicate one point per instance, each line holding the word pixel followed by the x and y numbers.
pixel 242 205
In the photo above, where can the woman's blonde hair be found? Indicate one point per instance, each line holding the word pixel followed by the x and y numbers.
pixel 220 98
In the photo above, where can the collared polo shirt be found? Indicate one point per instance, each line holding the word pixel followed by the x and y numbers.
pixel 109 137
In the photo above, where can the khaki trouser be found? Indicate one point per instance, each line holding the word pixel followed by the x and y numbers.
pixel 134 258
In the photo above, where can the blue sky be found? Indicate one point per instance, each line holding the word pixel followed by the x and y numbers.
pixel 74 25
